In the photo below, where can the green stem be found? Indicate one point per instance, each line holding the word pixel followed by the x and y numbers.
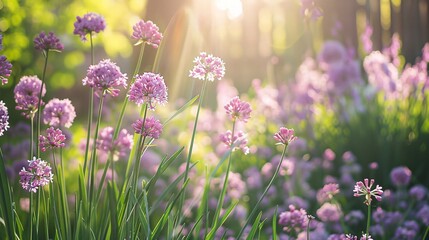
pixel 426 232
pixel 139 151
pixel 225 181
pixel 90 111
pixel 31 214
pixel 255 208
pixel 93 156
pixel 32 136
pixel 39 110
pixel 38 212
pixel 368 219
pixel 53 193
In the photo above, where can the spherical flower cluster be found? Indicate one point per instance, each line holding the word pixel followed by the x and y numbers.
pixel 364 189
pixel 148 88
pixel 46 42
pixel 327 192
pixel 105 76
pixel 285 136
pixel 4 118
pixel 238 110
pixel 152 127
pixel 27 95
pixel 90 22
pixel 208 67
pixel 120 147
pixel 293 219
pixel 5 69
pixel 54 139
pixel 329 212
pixel 239 141
pixel 59 113
pixel 400 176
pixel 147 32
pixel 37 174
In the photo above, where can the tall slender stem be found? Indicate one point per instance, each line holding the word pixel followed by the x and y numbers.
pixel 32 137
pixel 225 181
pixel 93 156
pixel 39 110
pixel 90 110
pixel 368 220
pixel 255 207
pixel 31 214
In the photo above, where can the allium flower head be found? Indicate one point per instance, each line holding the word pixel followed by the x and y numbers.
pixel 329 212
pixel 293 219
pixel 105 76
pixel 152 127
pixel 37 174
pixel 5 69
pixel 239 141
pixel 364 189
pixel 59 113
pixel 120 147
pixel 4 118
pixel 148 88
pixel 147 32
pixel 47 42
pixel 90 22
pixel 400 176
pixel 54 139
pixel 285 136
pixel 27 94
pixel 208 67
pixel 327 192
pixel 238 110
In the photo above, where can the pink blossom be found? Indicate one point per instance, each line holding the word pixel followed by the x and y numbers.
pixel 59 113
pixel 54 139
pixel 26 95
pixel 90 22
pixel 238 110
pixel 208 67
pixel 285 136
pixel 239 141
pixel 147 32
pixel 364 189
pixel 151 127
pixel 37 174
pixel 148 88
pixel 46 42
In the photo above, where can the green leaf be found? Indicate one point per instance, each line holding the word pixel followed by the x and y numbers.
pixel 254 227
pixel 275 224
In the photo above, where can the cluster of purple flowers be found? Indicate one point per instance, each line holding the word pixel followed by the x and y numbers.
pixel 207 67
pixel 148 88
pixel 147 32
pixel 36 175
pixel 149 127
pixel 89 23
pixel 54 139
pixel 27 95
pixel 118 147
pixel 59 113
pixel 5 65
pixel 47 42
pixel 4 118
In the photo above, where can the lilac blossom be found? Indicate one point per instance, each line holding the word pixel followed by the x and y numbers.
pixel 354 217
pixel 47 42
pixel 105 77
pixel 54 139
pixel 120 147
pixel 364 189
pixel 327 192
pixel 4 118
pixel 408 230
pixel 5 69
pixel 207 67
pixel 59 113
pixel 423 214
pixel 147 32
pixel 152 127
pixel 400 176
pixel 89 23
pixel 37 174
pixel 239 141
pixel 148 88
pixel 285 136
pixel 293 219
pixel 238 110
pixel 418 192
pixel 27 95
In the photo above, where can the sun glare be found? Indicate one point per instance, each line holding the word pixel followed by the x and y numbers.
pixel 234 8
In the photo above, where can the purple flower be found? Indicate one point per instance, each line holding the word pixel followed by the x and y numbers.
pixel 54 139
pixel 37 174
pixel 285 136
pixel 238 110
pixel 27 94
pixel 239 141
pixel 47 42
pixel 400 176
pixel 423 214
pixel 148 88
pixel 208 67
pixel 59 113
pixel 293 219
pixel 327 192
pixel 366 39
pixel 4 118
pixel 329 155
pixel 120 147
pixel 354 217
pixel 329 212
pixel 418 192
pixel 362 189
pixel 90 22
pixel 152 127
pixel 5 69
pixel 147 32
pixel 104 77
pixel 408 230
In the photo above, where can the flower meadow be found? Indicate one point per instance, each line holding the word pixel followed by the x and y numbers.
pixel 322 156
